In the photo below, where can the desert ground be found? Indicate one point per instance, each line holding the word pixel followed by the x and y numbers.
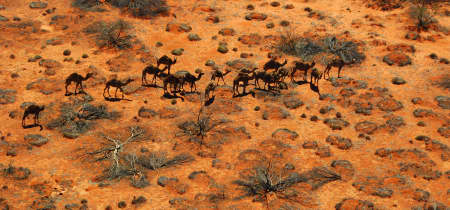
pixel 374 138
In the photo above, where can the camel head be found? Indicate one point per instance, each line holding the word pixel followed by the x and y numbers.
pixel 313 64
pixel 41 107
pixel 285 62
pixel 89 75
pixel 174 61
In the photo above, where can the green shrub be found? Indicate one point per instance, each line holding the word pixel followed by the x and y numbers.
pixel 346 50
pixel 88 5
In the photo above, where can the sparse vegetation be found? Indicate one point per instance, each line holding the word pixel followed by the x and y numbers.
pixel 293 44
pixel 263 179
pixel 422 16
pixel 111 35
pixel 155 161
pixel 141 8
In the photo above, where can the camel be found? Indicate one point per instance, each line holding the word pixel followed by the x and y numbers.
pixel 273 64
pixel 78 79
pixel 185 76
pixel 150 70
pixel 242 77
pixel 171 79
pixel 210 88
pixel 32 109
pixel 219 75
pixel 166 61
pixel 339 63
pixel 117 84
pixel 302 67
pixel 316 75
pixel 282 73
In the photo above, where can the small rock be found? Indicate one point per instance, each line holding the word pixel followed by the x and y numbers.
pixel 366 127
pixel 310 145
pixel 222 48
pixel 210 63
pixel 67 52
pixel 7 96
pixel 275 4
pixel 284 23
pixel 336 124
pixel 397 58
pixel 433 56
pixel 256 16
pixel 292 102
pixel 323 151
pixel 38 5
pixel 443 101
pixel 122 204
pixel 250 7
pixel 227 32
pixel 3 18
pixel 212 19
pixel 178 51
pixel 383 192
pixel 139 200
pixel 417 100
pixel 270 25
pixel 444 61
pixel 289 6
pixel 36 139
pixel 340 142
pixel 284 133
pixel 398 81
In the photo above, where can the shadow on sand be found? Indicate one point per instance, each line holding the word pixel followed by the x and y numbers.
pixel 116 99
pixel 172 96
pixel 32 126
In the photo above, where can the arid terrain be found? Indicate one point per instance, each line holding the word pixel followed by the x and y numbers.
pixel 377 137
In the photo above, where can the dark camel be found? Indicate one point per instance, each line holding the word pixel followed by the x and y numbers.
pixel 117 84
pixel 32 109
pixel 171 79
pixel 316 75
pixel 78 79
pixel 210 88
pixel 302 67
pixel 268 78
pixel 339 63
pixel 185 76
pixel 273 64
pixel 150 70
pixel 217 74
pixel 166 61
pixel 244 78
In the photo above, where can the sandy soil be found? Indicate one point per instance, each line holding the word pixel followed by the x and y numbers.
pixel 62 174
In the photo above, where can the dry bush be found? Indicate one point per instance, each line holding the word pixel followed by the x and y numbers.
pixel 155 161
pixel 141 8
pixel 293 44
pixel 122 164
pixel 422 16
pixel 111 35
pixel 263 179
pixel 443 82
pixel 88 5
pixel 19 173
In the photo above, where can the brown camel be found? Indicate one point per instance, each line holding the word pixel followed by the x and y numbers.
pixel 78 79
pixel 150 70
pixel 166 61
pixel 32 109
pixel 219 75
pixel 117 84
pixel 210 88
pixel 244 78
pixel 339 63
pixel 273 64
pixel 302 67
pixel 316 75
pixel 185 76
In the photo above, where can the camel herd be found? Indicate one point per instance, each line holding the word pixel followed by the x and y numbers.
pixel 273 75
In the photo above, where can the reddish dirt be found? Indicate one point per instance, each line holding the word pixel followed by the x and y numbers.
pixel 387 165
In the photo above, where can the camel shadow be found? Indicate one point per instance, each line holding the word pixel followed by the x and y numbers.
pixel 300 82
pixel 172 96
pixel 80 92
pixel 32 126
pixel 116 99
pixel 314 88
pixel 210 101
pixel 151 85
pixel 245 94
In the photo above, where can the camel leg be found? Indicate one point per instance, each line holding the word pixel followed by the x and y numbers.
pixel 223 80
pixel 66 89
pixel 115 93
pixel 23 120
pixel 121 90
pixel 339 71
pixel 81 87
